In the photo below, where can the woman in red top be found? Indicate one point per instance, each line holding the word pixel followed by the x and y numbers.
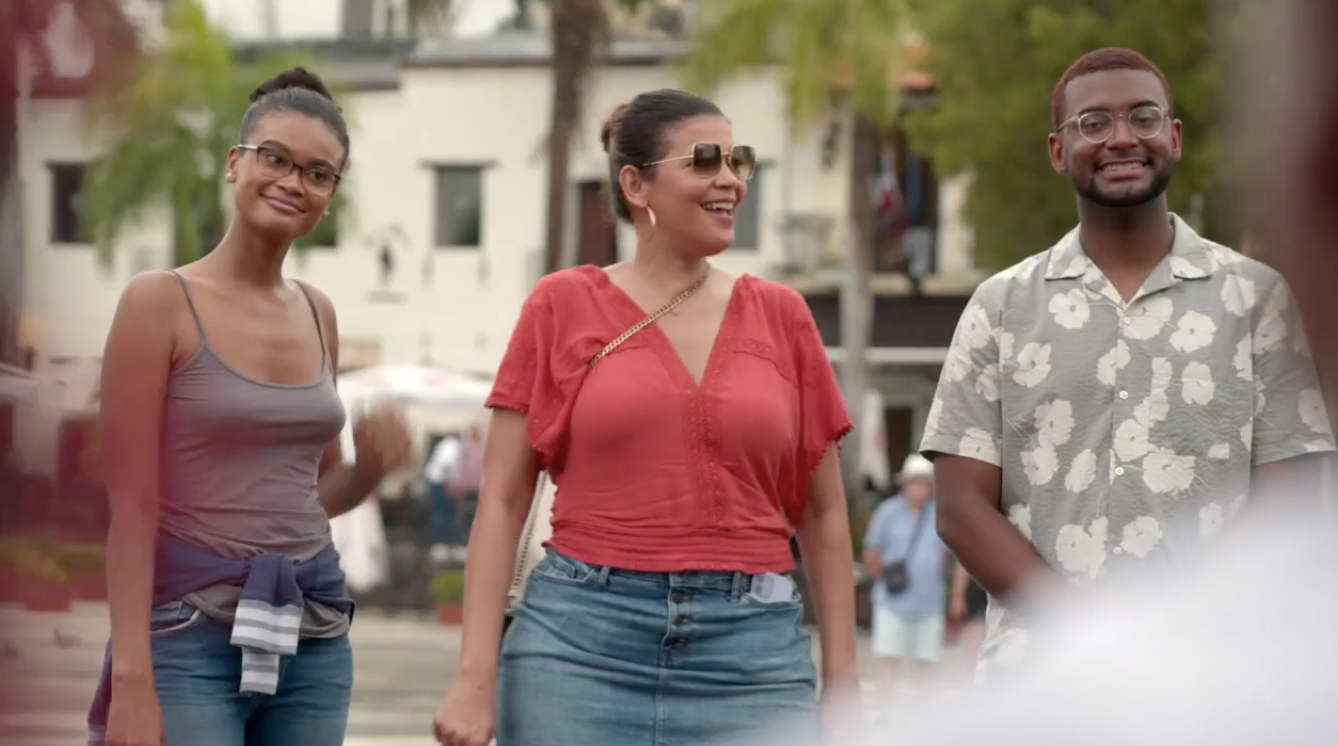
pixel 664 611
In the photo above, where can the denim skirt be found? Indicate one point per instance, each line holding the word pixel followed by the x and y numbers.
pixel 603 657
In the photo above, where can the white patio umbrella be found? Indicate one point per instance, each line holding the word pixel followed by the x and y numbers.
pixel 416 384
pixel 435 400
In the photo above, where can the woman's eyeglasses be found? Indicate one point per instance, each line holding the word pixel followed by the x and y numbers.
pixel 276 165
pixel 707 158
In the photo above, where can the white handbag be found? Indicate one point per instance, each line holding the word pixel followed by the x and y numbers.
pixel 539 523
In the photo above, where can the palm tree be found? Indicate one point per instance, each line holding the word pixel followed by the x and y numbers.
pixel 112 38
pixel 170 129
pixel 840 58
pixel 580 31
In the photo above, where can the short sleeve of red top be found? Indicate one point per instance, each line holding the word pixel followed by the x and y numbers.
pixel 655 471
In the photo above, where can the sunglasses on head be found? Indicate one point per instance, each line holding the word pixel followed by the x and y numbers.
pixel 707 158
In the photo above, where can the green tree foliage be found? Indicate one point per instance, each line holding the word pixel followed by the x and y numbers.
pixel 168 133
pixel 996 62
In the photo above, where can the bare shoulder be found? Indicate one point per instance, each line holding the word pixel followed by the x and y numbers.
pixel 156 295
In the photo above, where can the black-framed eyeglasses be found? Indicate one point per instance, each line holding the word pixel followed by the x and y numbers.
pixel 1096 127
pixel 276 164
pixel 707 158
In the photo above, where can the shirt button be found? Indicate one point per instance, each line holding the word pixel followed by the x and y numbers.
pixel 1124 394
pixel 1119 471
pixel 1126 321
pixel 1119 550
pixel 678 597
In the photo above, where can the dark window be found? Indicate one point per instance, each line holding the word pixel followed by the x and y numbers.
pixel 67 204
pixel 907 238
pixel 459 206
pixel 748 220
pixel 598 233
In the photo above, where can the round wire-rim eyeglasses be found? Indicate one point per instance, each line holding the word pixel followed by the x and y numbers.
pixel 1145 122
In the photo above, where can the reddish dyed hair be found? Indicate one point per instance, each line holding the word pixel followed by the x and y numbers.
pixel 1101 60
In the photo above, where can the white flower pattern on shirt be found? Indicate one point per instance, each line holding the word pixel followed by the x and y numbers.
pixel 1125 432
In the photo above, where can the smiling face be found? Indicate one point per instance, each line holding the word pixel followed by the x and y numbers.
pixel 283 204
pixel 694 209
pixel 1125 170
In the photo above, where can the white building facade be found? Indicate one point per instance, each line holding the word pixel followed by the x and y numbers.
pixel 447 192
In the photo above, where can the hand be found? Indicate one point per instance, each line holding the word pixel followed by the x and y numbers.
pixel 469 715
pixel 135 718
pixel 381 440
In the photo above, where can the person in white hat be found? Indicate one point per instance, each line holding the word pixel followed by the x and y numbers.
pixel 903 553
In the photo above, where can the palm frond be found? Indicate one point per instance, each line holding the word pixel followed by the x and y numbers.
pixel 169 130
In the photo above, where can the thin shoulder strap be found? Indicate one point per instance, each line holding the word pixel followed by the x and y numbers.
pixel 190 301
pixel 325 354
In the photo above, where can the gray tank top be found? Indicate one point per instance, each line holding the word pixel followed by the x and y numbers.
pixel 239 463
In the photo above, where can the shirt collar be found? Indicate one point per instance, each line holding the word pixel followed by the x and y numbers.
pixel 1191 257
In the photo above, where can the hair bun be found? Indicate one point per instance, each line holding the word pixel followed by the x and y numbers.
pixel 606 133
pixel 297 77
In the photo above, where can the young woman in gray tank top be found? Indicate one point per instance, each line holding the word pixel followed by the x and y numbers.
pixel 221 423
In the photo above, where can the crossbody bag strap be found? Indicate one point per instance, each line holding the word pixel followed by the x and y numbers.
pixel 650 319
pixel 915 535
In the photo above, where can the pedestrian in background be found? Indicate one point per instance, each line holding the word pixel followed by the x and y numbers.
pixel 908 562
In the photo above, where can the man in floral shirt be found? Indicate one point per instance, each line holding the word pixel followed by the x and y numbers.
pixel 1112 402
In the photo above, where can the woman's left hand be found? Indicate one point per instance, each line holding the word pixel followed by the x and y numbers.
pixel 381 440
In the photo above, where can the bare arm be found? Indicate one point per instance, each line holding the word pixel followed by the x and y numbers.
pixel 136 364
pixel 872 561
pixel 506 492
pixel 970 522
pixel 824 540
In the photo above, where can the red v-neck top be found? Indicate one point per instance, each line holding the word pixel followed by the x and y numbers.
pixel 654 471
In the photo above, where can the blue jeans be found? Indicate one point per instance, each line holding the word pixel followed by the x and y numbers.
pixel 603 657
pixel 197 670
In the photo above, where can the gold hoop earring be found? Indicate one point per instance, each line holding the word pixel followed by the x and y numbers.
pixel 650 213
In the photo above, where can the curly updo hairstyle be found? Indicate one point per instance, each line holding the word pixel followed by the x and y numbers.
pixel 635 134
pixel 300 91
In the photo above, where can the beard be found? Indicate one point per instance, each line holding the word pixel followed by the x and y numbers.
pixel 1161 179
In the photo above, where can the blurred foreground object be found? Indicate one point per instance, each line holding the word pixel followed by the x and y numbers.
pixel 1285 114
pixel 1236 651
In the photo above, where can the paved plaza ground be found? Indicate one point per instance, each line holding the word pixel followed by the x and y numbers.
pixel 50 664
